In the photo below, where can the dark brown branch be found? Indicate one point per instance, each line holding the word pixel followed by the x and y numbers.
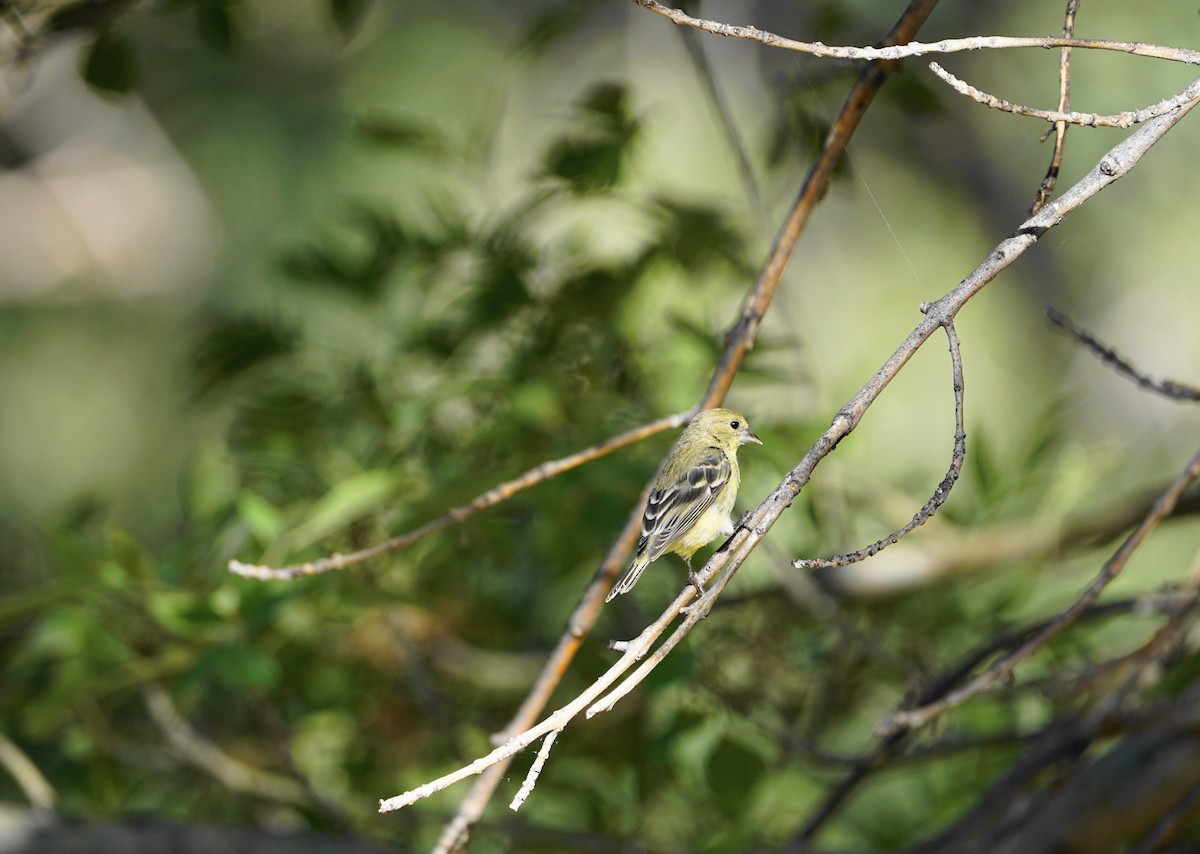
pixel 1167 388
pixel 1167 826
pixel 957 457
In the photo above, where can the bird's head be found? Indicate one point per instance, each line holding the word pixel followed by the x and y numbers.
pixel 725 428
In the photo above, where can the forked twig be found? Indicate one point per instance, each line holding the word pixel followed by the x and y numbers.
pixel 535 771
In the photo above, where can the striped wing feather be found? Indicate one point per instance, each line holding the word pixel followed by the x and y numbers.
pixel 671 511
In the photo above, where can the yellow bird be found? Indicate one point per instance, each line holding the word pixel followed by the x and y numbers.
pixel 690 502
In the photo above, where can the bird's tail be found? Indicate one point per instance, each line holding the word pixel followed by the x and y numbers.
pixel 629 579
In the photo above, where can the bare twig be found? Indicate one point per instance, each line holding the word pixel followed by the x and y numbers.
pixel 556 720
pixel 456 832
pixel 1116 120
pixel 959 550
pixel 1150 655
pixel 535 771
pixel 1064 103
pixel 904 50
pixel 1167 388
pixel 909 719
pixel 489 499
pixel 957 457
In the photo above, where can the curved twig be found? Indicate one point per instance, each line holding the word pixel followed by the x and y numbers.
pixel 957 457
pixel 1116 120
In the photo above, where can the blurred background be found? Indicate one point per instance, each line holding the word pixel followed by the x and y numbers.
pixel 279 279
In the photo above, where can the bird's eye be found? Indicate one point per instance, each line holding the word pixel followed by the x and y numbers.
pixel 735 424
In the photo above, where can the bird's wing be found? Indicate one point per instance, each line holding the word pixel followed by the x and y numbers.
pixel 671 511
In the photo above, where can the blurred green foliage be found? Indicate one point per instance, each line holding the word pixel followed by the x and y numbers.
pixel 447 318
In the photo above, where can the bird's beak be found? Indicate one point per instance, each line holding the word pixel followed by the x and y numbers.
pixel 746 437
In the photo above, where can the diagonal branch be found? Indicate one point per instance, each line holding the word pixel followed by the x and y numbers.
pixel 739 340
pixel 1167 388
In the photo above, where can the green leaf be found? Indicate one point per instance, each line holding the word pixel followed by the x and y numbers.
pixel 346 502
pixel 347 14
pixel 593 159
pixel 111 64
pixel 260 517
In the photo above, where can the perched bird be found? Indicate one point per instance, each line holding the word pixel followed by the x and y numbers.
pixel 692 497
